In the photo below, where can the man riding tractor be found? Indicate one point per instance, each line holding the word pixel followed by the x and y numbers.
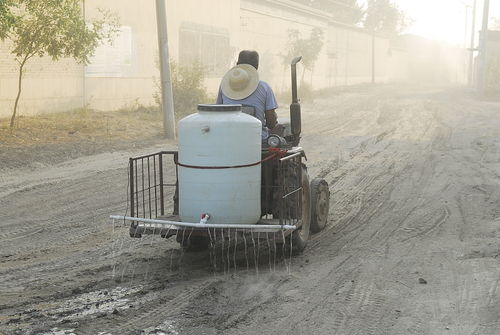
pixel 241 85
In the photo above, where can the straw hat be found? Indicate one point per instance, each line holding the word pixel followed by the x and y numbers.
pixel 239 82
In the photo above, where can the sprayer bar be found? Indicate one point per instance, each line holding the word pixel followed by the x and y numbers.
pixel 167 224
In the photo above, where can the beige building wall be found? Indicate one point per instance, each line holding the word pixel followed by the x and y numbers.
pixel 199 26
pixel 398 65
pixel 134 81
pixel 121 75
pixel 349 52
pixel 47 86
pixel 264 27
pixel 344 60
pixel 125 74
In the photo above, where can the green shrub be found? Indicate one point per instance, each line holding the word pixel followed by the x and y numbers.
pixel 187 87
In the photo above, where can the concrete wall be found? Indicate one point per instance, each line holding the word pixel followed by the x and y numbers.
pixel 349 54
pixel 344 60
pixel 205 19
pixel 47 86
pixel 126 77
pixel 264 27
pixel 124 74
pixel 137 82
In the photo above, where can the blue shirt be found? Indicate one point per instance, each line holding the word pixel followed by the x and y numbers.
pixel 262 100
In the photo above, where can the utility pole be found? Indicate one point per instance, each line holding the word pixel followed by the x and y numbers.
pixel 167 101
pixel 466 30
pixel 84 73
pixel 482 83
pixel 472 47
pixel 466 25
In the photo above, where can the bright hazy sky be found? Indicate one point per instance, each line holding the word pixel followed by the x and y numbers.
pixel 444 20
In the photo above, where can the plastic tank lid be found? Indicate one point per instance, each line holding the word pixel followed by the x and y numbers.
pixel 219 108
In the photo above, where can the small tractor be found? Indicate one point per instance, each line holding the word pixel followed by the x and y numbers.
pixel 223 181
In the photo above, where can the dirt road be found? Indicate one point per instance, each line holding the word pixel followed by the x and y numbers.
pixel 412 245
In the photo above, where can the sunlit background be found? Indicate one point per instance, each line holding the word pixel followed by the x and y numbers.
pixel 445 20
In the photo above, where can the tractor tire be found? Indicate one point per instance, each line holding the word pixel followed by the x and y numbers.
pixel 320 204
pixel 300 236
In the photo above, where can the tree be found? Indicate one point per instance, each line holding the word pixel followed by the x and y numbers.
pixel 308 48
pixel 7 18
pixel 384 16
pixel 349 12
pixel 345 11
pixel 54 28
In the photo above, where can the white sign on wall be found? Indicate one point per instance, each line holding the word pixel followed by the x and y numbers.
pixel 113 59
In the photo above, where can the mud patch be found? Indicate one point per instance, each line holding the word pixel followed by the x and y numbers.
pixel 83 306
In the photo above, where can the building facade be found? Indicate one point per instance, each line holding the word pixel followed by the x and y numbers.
pixel 125 73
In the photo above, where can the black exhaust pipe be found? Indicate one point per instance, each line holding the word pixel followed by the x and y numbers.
pixel 295 117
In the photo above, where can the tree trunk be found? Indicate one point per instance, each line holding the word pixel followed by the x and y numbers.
pixel 12 119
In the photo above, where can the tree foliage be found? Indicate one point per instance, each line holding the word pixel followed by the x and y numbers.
pixel 384 16
pixel 57 28
pixel 345 11
pixel 54 28
pixel 351 12
pixel 7 17
pixel 188 88
pixel 309 48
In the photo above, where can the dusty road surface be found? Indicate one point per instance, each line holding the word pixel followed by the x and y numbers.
pixel 412 244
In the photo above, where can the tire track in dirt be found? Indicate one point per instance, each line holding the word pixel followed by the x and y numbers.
pixel 391 187
pixel 62 270
pixel 58 237
pixel 362 209
pixel 275 305
pixel 436 220
pixel 400 173
pixel 366 196
pixel 67 216
pixel 355 119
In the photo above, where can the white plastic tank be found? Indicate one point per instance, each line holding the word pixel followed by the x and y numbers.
pixel 219 136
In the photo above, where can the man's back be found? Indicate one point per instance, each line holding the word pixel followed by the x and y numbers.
pixel 262 99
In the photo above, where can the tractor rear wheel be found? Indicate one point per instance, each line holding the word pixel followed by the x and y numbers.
pixel 301 235
pixel 320 204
